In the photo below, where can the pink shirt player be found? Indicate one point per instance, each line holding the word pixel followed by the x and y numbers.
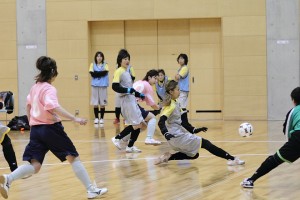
pixel 144 87
pixel 42 98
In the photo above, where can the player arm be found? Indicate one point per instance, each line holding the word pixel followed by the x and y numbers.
pixel 119 89
pixel 185 123
pixel 162 124
pixel 99 74
pixel 64 113
pixel 28 107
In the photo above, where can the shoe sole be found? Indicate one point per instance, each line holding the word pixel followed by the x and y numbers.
pixel 115 144
pixel 3 135
pixel 101 193
pixel 153 144
pixel 2 190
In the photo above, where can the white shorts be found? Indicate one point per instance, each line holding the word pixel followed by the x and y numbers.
pixel 187 143
pixel 117 101
pixel 130 110
pixel 183 99
pixel 99 96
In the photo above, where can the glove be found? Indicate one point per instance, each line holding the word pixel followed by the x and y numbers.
pixel 136 93
pixel 168 135
pixel 203 129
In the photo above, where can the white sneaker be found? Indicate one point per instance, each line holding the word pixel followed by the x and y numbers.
pixel 101 121
pixel 4 186
pixel 3 131
pixel 163 158
pixel 236 161
pixel 96 121
pixel 94 191
pixel 116 143
pixel 133 149
pixel 151 141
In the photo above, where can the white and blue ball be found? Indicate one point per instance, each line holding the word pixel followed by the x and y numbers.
pixel 246 129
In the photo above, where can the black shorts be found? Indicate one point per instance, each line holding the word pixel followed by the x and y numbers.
pixel 48 137
pixel 144 112
pixel 290 151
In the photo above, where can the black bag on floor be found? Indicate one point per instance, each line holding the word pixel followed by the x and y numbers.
pixel 18 123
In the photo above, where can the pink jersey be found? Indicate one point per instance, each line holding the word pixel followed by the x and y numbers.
pixel 42 98
pixel 145 88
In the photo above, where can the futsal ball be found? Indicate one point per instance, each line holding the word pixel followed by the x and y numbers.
pixel 245 129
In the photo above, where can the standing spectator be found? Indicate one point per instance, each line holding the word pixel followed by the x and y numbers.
pixel 100 81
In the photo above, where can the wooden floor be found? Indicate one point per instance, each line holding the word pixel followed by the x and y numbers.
pixel 134 176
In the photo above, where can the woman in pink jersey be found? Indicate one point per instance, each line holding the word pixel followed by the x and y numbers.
pixel 47 132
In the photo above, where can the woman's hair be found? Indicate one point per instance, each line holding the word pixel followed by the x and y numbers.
pixel 170 86
pixel 123 53
pixel 295 95
pixel 161 71
pixel 96 55
pixel 184 56
pixel 47 67
pixel 150 73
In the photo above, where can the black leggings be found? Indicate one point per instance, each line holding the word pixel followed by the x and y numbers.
pixel 9 153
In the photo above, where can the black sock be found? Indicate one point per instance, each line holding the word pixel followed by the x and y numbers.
pixel 133 137
pixel 117 112
pixel 125 132
pixel 102 111
pixel 96 112
pixel 206 144
pixel 270 163
pixel 182 156
pixel 9 153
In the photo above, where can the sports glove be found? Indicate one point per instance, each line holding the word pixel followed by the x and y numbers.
pixel 168 135
pixel 136 93
pixel 197 130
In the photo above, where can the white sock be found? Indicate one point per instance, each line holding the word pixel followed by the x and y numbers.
pixel 151 127
pixel 81 173
pixel 20 172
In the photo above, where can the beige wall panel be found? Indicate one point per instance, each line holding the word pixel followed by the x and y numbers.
pixel 66 10
pixel 244 46
pixel 205 56
pixel 66 49
pixel 173 32
pixel 10 69
pixel 142 32
pixel 245 107
pixel 244 26
pixel 8 30
pixel 107 33
pixel 205 116
pixel 66 30
pixel 68 68
pixel 8 11
pixel 143 56
pixel 245 85
pixel 207 102
pixel 167 55
pixel 10 84
pixel 187 9
pixel 243 7
pixel 8 50
pixel 68 87
pixel 245 65
pixel 206 81
pixel 205 31
pixel 118 9
pixel 71 104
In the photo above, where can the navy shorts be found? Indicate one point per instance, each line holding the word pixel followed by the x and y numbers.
pixel 290 151
pixel 144 112
pixel 48 137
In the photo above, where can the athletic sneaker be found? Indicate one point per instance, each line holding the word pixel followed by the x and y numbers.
pixel 116 121
pixel 94 191
pixel 133 149
pixel 96 121
pixel 236 161
pixel 116 143
pixel 3 131
pixel 4 186
pixel 247 183
pixel 163 158
pixel 151 141
pixel 101 121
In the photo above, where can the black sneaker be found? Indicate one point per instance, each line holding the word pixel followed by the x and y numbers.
pixel 247 183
